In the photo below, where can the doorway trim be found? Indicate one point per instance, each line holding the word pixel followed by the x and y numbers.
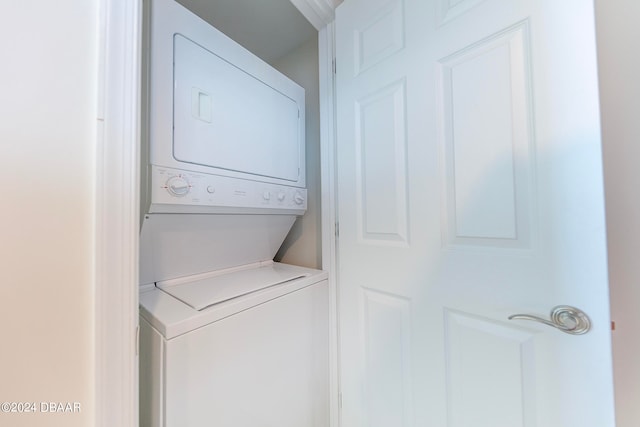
pixel 326 61
pixel 116 214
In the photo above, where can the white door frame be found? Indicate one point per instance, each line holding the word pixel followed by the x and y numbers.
pixel 117 203
pixel 326 52
pixel 116 221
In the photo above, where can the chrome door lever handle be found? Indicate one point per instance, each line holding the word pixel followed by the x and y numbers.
pixel 564 317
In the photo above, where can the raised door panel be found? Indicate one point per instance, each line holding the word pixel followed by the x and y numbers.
pixel 490 372
pixel 380 35
pixel 381 166
pixel 386 350
pixel 487 142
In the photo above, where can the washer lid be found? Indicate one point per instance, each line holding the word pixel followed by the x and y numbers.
pixel 175 246
pixel 203 292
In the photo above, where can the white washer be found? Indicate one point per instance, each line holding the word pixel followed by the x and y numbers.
pixel 256 360
pixel 227 336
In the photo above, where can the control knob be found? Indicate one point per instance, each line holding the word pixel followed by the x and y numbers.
pixel 298 198
pixel 178 186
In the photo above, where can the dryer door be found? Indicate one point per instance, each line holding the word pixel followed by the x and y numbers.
pixel 228 119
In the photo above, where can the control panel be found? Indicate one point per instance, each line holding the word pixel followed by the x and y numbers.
pixel 175 190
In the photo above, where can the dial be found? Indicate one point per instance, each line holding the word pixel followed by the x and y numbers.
pixel 178 186
pixel 298 198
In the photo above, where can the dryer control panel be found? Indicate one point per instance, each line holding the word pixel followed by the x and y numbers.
pixel 173 190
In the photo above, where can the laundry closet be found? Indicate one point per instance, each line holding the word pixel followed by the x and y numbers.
pixel 234 310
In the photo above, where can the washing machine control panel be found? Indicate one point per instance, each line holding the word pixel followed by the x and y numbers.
pixel 174 190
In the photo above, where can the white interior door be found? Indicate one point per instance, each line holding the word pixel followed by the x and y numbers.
pixel 470 189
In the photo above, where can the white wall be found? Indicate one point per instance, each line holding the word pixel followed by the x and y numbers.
pixel 303 244
pixel 619 67
pixel 47 137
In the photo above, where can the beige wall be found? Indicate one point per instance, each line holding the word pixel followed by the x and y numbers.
pixel 47 137
pixel 619 67
pixel 303 244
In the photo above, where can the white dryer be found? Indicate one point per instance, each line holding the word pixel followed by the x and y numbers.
pixel 228 338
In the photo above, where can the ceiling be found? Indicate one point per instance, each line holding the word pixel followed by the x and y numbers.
pixel 268 28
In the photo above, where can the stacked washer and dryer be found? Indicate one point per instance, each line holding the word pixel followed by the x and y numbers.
pixel 228 338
